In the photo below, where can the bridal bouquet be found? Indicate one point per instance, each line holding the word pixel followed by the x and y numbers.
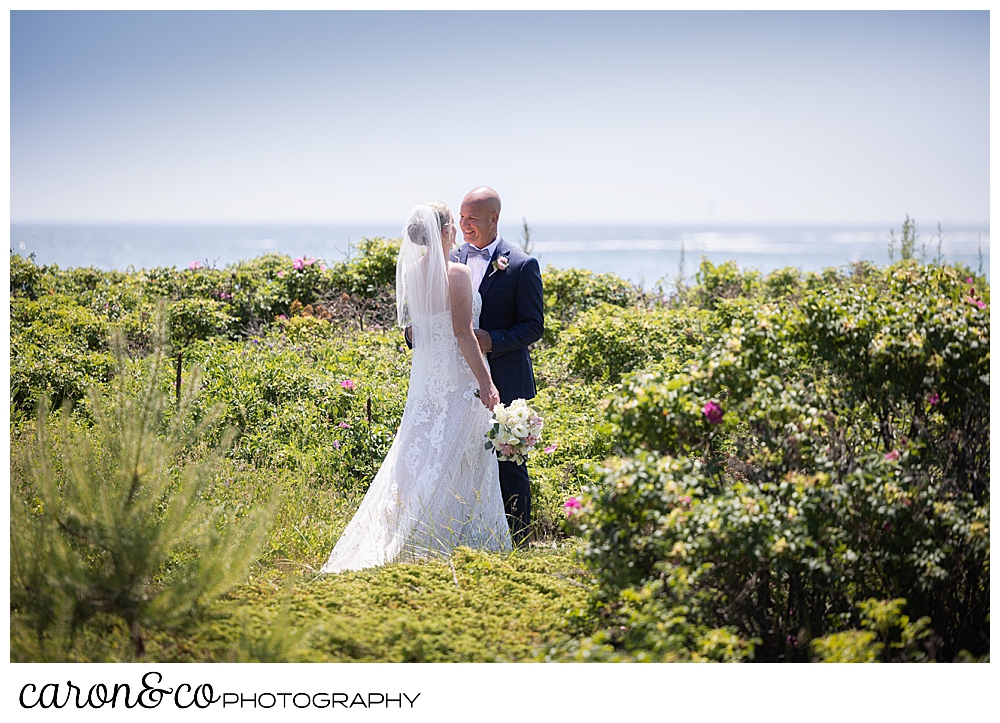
pixel 515 431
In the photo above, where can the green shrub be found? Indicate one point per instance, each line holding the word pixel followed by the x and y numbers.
pixel 828 475
pixel 571 291
pixel 781 563
pixel 607 341
pixel 573 436
pixel 112 520
pixel 58 349
pixel 782 283
pixel 725 281
pixel 912 348
pixel 889 636
pixel 568 292
pixel 191 320
pixel 850 646
pixel 330 405
pixel 256 291
pixel 373 268
pixel 25 276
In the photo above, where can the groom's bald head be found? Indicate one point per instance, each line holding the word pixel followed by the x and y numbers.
pixel 484 195
pixel 479 216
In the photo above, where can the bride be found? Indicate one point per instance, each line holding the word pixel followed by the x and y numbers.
pixel 438 487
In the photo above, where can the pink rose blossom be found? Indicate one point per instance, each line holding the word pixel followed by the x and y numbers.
pixel 530 439
pixel 344 425
pixel 550 449
pixel 970 280
pixel 194 265
pixel 281 274
pixel 297 264
pixel 893 455
pixel 571 506
pixel 348 384
pixel 934 398
pixel 685 500
pixel 712 412
pixel 506 450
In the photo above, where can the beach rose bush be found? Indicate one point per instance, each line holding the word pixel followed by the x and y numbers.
pixel 607 341
pixel 797 469
pixel 915 352
pixel 58 348
pixel 569 292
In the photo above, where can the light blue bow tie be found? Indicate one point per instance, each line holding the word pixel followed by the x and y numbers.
pixel 483 253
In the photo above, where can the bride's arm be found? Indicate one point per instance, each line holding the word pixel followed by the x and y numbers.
pixel 460 291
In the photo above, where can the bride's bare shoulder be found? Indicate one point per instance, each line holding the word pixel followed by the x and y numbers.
pixel 459 271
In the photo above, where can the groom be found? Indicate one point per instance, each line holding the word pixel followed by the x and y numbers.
pixel 511 287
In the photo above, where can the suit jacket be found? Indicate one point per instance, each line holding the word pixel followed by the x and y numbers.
pixel 513 315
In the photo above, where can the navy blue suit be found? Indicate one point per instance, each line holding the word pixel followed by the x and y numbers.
pixel 513 315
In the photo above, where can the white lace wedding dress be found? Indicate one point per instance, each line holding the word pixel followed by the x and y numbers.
pixel 438 486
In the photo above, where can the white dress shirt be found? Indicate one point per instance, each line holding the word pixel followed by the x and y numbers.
pixel 478 266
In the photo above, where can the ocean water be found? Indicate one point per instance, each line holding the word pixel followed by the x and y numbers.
pixel 644 254
pixel 648 255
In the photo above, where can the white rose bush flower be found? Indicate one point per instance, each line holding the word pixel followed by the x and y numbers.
pixel 515 431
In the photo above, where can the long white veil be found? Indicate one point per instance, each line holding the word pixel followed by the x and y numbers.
pixel 421 271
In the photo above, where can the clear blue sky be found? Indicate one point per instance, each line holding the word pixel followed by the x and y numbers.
pixel 592 117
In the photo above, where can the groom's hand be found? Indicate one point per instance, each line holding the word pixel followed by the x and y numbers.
pixel 485 341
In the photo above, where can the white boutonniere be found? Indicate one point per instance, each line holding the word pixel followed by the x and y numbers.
pixel 500 264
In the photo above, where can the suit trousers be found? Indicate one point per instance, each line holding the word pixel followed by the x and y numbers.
pixel 516 490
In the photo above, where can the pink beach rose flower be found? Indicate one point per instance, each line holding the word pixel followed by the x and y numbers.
pixel 712 412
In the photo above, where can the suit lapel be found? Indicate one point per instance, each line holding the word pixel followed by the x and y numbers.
pixel 491 274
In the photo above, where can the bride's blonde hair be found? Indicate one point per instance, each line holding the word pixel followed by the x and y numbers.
pixel 419 235
pixel 445 219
